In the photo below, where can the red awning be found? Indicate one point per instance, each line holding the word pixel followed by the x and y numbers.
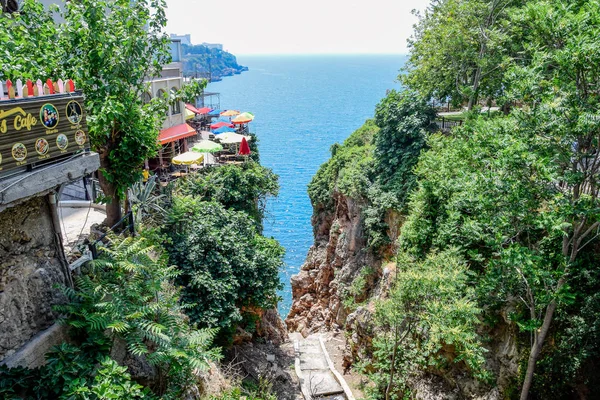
pixel 175 133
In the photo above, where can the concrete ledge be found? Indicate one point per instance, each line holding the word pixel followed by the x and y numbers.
pixel 81 204
pixel 32 354
pixel 43 180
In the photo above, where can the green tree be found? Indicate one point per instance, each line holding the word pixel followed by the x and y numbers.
pixel 114 45
pixel 404 120
pixel 430 305
pixel 460 50
pixel 226 266
pixel 28 39
pixel 242 188
pixel 559 84
pixel 499 191
pixel 128 295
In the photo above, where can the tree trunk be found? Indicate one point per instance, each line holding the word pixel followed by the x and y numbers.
pixel 113 209
pixel 393 365
pixel 537 348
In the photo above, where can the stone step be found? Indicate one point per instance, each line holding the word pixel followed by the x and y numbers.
pixel 322 383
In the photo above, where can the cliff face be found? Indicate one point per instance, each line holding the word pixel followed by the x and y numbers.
pixel 336 258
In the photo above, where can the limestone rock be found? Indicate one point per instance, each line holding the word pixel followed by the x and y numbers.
pixel 30 270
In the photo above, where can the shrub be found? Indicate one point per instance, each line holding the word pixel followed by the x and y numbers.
pixel 225 264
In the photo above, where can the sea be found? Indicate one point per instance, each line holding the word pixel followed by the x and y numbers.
pixel 302 105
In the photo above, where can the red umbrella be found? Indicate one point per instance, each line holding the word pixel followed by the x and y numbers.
pixel 217 125
pixel 204 110
pixel 244 148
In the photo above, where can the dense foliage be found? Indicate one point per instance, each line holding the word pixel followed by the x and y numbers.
pixel 227 267
pixel 429 307
pixel 404 119
pixel 460 50
pixel 27 39
pixel 71 373
pixel 240 188
pixel 125 300
pixel 511 198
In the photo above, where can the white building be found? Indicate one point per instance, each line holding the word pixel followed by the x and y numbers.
pixel 175 131
pixel 184 39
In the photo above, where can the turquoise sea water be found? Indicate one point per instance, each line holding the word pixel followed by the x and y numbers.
pixel 302 105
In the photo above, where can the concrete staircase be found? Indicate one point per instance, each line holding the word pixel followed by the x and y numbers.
pixel 317 375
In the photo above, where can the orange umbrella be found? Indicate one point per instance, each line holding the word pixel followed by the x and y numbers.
pixel 230 113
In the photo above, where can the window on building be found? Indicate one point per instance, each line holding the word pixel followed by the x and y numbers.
pixel 161 94
pixel 176 106
pixel 146 97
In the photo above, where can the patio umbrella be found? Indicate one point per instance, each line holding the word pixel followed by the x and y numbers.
pixel 189 114
pixel 230 113
pixel 218 125
pixel 205 110
pixel 231 137
pixel 243 118
pixel 188 158
pixel 207 146
pixel 223 129
pixel 244 148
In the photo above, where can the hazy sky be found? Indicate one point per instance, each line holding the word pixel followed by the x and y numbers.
pixel 297 27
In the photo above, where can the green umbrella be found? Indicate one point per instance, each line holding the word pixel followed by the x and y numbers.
pixel 207 146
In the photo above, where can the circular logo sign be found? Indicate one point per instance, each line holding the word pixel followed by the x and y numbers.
pixel 42 146
pixel 49 115
pixel 62 142
pixel 74 112
pixel 19 151
pixel 80 138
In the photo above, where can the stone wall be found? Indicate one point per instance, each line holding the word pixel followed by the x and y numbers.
pixel 29 271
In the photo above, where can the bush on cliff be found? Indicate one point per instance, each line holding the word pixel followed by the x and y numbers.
pixel 226 266
pixel 404 120
pixel 348 171
pixel 241 188
pixel 430 306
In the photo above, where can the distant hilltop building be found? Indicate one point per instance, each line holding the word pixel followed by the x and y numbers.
pixel 185 39
pixel 217 46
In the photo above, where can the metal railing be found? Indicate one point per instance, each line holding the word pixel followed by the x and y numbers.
pixel 446 125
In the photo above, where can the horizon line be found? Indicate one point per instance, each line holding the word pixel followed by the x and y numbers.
pixel 316 54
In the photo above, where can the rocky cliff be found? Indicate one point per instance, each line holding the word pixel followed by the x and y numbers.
pixel 30 271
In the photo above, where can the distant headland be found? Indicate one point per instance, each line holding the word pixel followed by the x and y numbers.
pixel 207 60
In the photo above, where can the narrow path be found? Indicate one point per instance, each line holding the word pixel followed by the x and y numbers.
pixel 318 377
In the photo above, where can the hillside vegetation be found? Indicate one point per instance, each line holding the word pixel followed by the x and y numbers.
pixel 491 228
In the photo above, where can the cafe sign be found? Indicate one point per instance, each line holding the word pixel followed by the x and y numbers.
pixel 41 128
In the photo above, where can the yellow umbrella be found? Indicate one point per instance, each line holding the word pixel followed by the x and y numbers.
pixel 230 113
pixel 189 114
pixel 188 158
